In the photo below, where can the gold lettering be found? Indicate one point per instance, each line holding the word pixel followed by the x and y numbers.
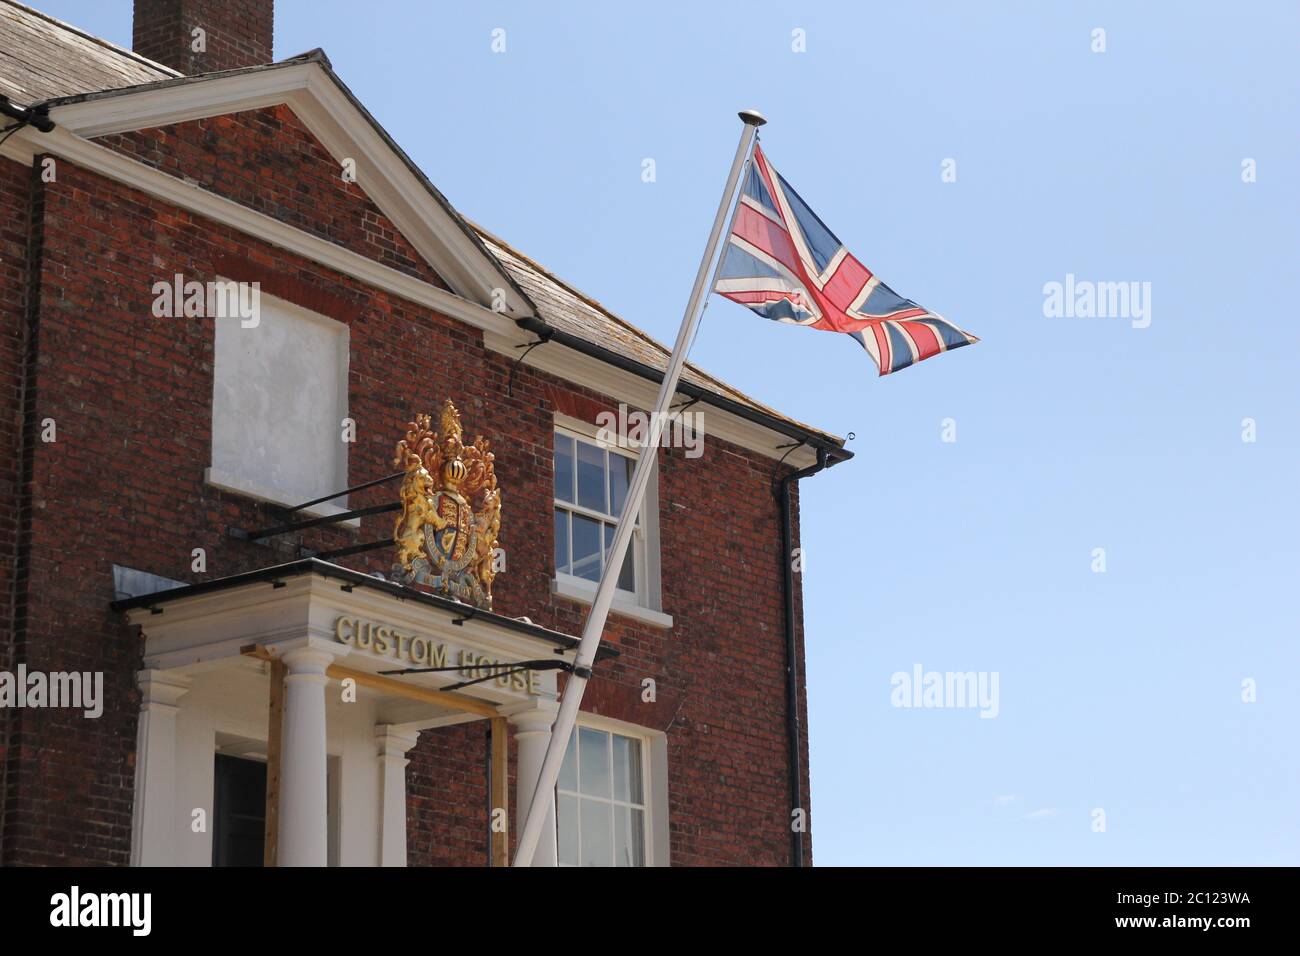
pixel 387 640
pixel 345 625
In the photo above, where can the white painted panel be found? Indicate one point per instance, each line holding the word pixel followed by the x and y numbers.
pixel 279 397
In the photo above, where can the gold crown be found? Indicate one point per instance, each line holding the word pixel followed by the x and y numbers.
pixel 454 472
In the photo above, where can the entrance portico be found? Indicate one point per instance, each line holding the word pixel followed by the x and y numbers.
pixel 286 666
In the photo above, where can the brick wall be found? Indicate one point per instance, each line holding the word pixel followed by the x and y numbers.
pixel 268 161
pixel 124 484
pixel 15 182
pixel 15 202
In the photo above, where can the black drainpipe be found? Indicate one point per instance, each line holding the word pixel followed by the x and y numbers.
pixel 792 727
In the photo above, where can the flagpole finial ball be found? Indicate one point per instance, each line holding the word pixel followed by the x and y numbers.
pixel 752 118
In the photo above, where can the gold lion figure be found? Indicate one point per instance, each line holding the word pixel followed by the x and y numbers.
pixel 417 509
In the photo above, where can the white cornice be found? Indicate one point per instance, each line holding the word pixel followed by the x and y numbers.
pixel 202 631
pixel 181 102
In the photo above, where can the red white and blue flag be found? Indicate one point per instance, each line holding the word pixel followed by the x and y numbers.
pixel 783 263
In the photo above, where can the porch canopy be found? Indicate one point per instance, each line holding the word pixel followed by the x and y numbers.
pixel 290 663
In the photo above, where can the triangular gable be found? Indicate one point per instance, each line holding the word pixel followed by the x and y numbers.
pixel 328 110
pixel 267 159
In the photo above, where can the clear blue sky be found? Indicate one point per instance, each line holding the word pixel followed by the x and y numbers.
pixel 1119 690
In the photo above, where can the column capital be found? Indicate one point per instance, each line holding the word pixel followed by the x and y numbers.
pixel 394 742
pixel 161 688
pixel 311 661
pixel 534 716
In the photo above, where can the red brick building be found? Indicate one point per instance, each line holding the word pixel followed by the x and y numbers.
pixel 146 433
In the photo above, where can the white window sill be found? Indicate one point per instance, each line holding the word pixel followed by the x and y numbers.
pixel 582 590
pixel 242 486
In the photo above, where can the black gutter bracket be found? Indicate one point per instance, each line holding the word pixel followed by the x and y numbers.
pixel 38 117
pixel 542 338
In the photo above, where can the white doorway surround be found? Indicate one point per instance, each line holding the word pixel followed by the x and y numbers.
pixel 212 652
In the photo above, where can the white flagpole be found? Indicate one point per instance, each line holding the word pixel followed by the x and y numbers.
pixel 595 626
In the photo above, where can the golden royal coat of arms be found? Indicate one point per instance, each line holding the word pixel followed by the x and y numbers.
pixel 446 535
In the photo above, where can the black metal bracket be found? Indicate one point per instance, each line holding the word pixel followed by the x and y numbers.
pixel 339 494
pixel 542 339
pixel 262 534
pixel 342 552
pixel 36 116
pixel 776 474
pixel 468 615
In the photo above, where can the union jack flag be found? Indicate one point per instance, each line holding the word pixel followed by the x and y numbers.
pixel 783 263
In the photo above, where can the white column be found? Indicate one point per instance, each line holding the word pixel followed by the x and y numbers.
pixel 304 826
pixel 393 745
pixel 532 734
pixel 153 817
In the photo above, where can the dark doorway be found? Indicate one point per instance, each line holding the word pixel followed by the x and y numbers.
pixel 239 812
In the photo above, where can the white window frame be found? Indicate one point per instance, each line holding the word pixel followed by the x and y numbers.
pixel 654 783
pixel 646 604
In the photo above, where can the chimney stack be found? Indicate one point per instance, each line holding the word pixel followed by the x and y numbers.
pixel 204 36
